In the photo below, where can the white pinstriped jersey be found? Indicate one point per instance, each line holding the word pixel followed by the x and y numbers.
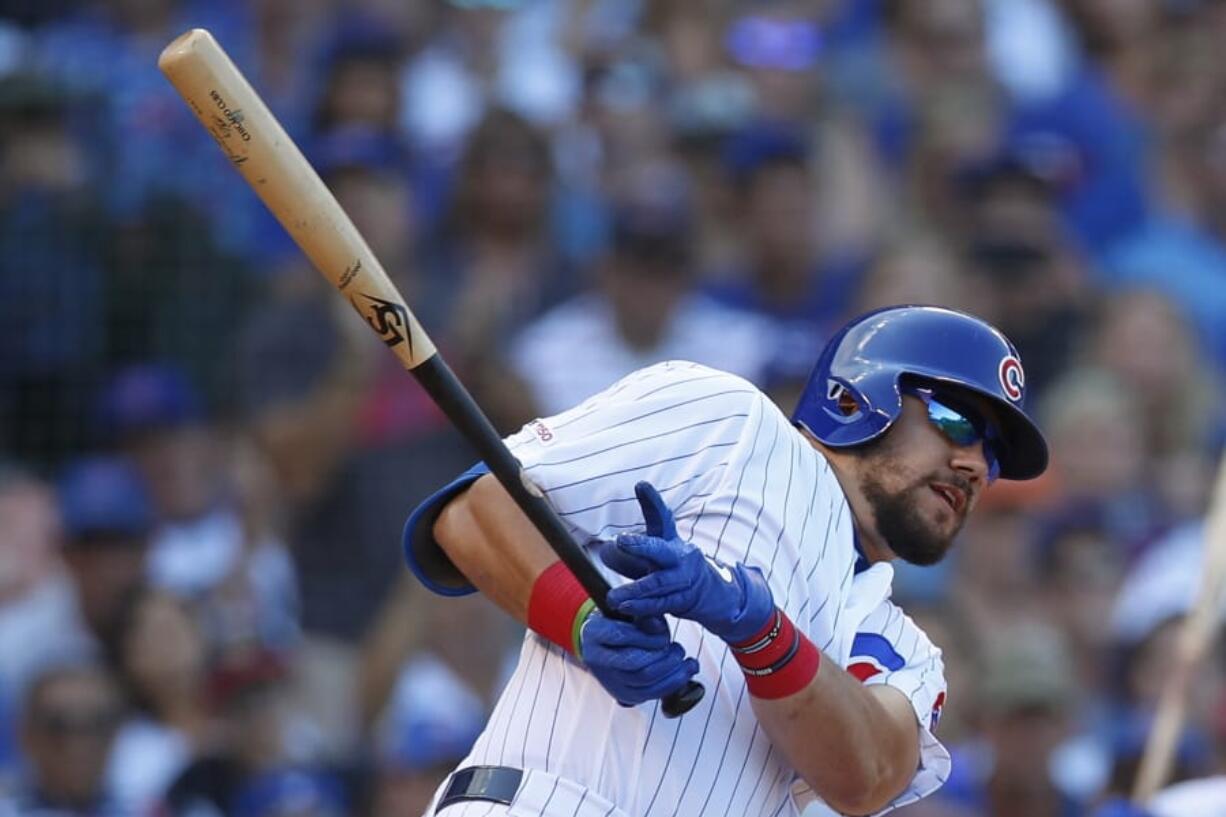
pixel 744 486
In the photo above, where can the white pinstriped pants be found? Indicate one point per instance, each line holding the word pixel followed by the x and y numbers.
pixel 540 794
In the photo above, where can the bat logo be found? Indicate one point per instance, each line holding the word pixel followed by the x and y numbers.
pixel 390 320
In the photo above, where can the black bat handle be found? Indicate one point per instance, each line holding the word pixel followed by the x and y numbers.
pixel 436 377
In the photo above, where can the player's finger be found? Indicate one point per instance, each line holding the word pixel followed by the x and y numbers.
pixel 656 513
pixel 660 665
pixel 610 633
pixel 628 564
pixel 652 624
pixel 634 666
pixel 656 552
pixel 644 667
pixel 655 585
pixel 671 682
pixel 678 603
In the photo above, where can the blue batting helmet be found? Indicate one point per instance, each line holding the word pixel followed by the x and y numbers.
pixel 868 357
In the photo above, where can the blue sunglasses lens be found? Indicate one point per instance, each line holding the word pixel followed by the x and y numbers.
pixel 953 424
pixel 963 430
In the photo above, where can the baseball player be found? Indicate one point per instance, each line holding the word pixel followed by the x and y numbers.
pixel 743 548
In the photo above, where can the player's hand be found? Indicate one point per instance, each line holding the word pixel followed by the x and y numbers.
pixel 672 576
pixel 635 661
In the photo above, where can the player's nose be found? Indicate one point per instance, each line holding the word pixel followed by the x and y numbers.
pixel 971 462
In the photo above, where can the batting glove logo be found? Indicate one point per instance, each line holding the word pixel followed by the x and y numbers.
pixel 722 569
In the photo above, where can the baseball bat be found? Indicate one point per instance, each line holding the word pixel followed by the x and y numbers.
pixel 260 149
pixel 1195 636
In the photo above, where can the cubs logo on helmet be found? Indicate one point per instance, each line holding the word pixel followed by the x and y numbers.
pixel 1012 378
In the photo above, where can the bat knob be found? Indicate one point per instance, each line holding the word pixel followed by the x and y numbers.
pixel 683 700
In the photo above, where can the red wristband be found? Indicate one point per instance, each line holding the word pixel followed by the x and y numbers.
pixel 557 606
pixel 778 660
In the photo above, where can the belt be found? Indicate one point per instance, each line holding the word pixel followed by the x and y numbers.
pixel 493 784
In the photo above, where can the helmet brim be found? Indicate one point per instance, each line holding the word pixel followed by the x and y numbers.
pixel 1023 453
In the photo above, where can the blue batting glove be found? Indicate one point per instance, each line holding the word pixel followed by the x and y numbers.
pixel 672 576
pixel 635 661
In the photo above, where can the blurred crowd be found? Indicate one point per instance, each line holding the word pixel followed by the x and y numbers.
pixel 206 459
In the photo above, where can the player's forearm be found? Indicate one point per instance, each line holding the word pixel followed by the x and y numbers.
pixel 842 738
pixel 494 545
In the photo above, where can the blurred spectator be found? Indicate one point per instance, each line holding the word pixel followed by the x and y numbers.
pixel 53 238
pixel 108 520
pixel 431 723
pixel 939 106
pixel 260 742
pixel 69 716
pixel 916 268
pixel 995 578
pixel 1080 570
pixel 498 258
pixel 1027 699
pixel 645 308
pixel 484 55
pixel 37 608
pixel 1144 339
pixel 1100 453
pixel 1026 275
pixel 465 639
pixel 360 77
pixel 199 548
pixel 1181 251
pixel 160 658
pixel 106 50
pixel 787 276
pixel 174 295
pixel 778 45
pixel 290 792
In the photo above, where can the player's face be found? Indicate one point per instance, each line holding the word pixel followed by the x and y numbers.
pixel 921 483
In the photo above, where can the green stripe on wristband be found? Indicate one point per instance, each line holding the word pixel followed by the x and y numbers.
pixel 576 627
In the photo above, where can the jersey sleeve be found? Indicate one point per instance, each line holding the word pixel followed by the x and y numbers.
pixel 674 424
pixel 889 648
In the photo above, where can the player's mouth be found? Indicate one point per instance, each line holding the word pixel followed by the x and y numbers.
pixel 953 496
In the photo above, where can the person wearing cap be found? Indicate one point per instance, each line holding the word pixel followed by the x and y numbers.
pixel 107 521
pixel 153 413
pixel 788 276
pixel 644 309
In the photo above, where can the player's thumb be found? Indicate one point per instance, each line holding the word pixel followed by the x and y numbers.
pixel 657 516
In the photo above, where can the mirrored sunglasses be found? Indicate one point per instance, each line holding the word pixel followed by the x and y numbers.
pixel 962 426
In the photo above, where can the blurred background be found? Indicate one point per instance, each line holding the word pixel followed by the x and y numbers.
pixel 206 459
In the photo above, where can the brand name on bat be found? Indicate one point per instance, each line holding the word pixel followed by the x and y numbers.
pixel 232 115
pixel 349 274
